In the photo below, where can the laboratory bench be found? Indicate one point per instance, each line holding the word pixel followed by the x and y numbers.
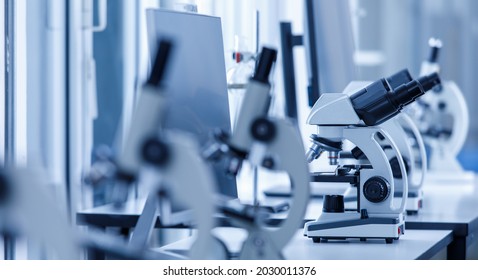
pixel 414 245
pixel 446 206
pixel 449 207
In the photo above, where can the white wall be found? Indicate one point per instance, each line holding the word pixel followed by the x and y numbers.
pixel 20 83
pixel 238 18
pixel 2 82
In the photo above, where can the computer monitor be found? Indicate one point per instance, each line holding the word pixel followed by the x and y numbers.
pixel 329 45
pixel 196 79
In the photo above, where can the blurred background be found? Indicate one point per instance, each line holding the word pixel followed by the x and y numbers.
pixel 71 69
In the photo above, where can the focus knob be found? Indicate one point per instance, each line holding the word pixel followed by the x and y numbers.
pixel 376 189
pixel 333 204
pixel 155 152
pixel 263 130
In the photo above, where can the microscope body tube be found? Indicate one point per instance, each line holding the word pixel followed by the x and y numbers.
pixel 255 105
pixel 147 117
pixel 146 122
pixel 256 101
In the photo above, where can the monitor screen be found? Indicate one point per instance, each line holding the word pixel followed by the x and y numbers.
pixel 196 79
pixel 329 45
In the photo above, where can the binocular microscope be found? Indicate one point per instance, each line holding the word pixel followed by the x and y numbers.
pixel 408 138
pixel 357 118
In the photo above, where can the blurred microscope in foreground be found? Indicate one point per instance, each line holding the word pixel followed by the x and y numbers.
pixel 157 158
pixel 266 142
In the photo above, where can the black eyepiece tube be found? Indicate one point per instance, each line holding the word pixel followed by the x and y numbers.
pixel 409 92
pixel 399 78
pixel 434 54
pixel 160 61
pixel 374 102
pixel 429 81
pixel 378 103
pixel 264 66
pixel 435 46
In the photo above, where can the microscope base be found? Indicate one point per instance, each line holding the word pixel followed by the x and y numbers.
pixel 414 201
pixel 387 228
pixel 413 205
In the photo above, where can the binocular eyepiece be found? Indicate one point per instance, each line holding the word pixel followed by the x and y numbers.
pixel 385 98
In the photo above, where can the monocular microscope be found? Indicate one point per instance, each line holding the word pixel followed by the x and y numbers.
pixel 158 158
pixel 271 143
pixel 443 120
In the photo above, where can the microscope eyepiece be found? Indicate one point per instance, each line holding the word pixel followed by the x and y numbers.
pixel 409 92
pixel 379 101
pixel 403 77
pixel 374 102
pixel 267 58
pixel 399 78
pixel 429 81
pixel 435 46
pixel 160 62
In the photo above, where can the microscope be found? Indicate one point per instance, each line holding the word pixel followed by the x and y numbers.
pixel 410 143
pixel 170 162
pixel 28 210
pixel 356 118
pixel 443 119
pixel 271 143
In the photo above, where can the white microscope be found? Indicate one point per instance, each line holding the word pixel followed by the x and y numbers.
pixel 160 159
pixel 266 142
pixel 443 120
pixel 357 119
pixel 410 143
pixel 28 210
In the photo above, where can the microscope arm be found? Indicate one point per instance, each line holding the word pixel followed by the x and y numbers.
pixel 398 134
pixel 193 190
pixel 365 139
pixel 287 152
pixel 406 122
pixel 290 154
